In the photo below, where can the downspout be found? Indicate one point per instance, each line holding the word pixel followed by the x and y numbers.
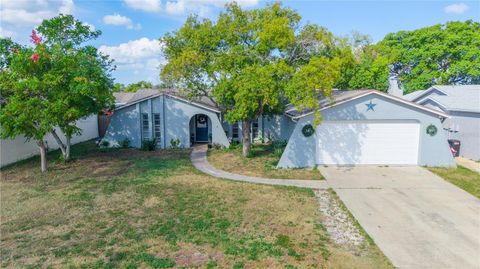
pixel 164 123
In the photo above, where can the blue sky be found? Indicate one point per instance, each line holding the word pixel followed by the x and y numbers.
pixel 131 28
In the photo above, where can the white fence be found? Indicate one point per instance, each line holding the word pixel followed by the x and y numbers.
pixel 14 150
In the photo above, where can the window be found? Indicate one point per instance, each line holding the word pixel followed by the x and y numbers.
pixel 255 129
pixel 156 126
pixel 235 131
pixel 145 127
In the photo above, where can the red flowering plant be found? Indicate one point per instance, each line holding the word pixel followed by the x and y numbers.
pixel 54 82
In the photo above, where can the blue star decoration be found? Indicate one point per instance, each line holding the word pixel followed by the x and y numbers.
pixel 370 106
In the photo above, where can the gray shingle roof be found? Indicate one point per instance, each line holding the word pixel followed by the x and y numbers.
pixel 123 99
pixel 336 96
pixel 456 98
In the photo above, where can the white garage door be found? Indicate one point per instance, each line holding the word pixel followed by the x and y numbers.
pixel 367 142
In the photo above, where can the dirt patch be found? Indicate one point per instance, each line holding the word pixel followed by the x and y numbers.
pixel 151 201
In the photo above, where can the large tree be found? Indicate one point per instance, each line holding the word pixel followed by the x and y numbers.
pixel 252 62
pixel 26 90
pixel 53 84
pixel 84 84
pixel 441 54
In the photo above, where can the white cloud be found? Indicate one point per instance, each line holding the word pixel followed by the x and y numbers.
pixel 6 33
pixel 91 26
pixel 119 20
pixel 136 59
pixel 19 15
pixel 456 8
pixel 181 7
pixel 140 54
pixel 145 5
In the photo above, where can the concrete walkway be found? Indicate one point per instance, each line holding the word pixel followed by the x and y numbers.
pixel 199 160
pixel 415 217
pixel 472 165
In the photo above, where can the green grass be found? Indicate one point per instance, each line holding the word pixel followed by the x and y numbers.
pixel 462 177
pixel 262 162
pixel 127 208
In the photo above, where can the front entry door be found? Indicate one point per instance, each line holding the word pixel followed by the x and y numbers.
pixel 201 129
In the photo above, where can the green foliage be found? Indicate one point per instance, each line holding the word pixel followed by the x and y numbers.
pixel 440 54
pixel 125 143
pixel 133 87
pixel 105 143
pixel 250 62
pixel 149 144
pixel 174 143
pixel 54 83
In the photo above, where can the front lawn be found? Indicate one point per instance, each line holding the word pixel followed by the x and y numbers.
pixel 131 209
pixel 462 177
pixel 262 163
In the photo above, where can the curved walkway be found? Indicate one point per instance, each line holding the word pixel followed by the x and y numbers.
pixel 199 160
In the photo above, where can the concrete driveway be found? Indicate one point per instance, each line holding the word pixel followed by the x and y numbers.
pixel 416 218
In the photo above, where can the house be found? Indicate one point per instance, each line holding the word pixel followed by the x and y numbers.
pixel 359 127
pixel 167 116
pixel 363 127
pixel 462 104
pixel 17 149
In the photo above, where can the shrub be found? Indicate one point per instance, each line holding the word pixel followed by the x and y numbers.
pixel 278 147
pixel 125 143
pixel 251 153
pixel 149 144
pixel 105 143
pixel 217 146
pixel 174 143
pixel 234 145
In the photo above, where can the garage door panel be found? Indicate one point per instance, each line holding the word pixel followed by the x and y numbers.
pixel 367 143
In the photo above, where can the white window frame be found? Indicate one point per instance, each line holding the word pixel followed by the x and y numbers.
pixel 157 131
pixel 145 127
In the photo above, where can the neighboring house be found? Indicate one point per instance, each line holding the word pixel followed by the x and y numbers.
pixel 13 150
pixel 462 104
pixel 368 127
pixel 167 116
pixel 358 127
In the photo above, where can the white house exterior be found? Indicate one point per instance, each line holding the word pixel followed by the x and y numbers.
pixel 462 104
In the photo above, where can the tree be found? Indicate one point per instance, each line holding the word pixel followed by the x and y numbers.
pixel 441 54
pixel 83 85
pixel 252 62
pixel 133 87
pixel 362 66
pixel 25 85
pixel 53 84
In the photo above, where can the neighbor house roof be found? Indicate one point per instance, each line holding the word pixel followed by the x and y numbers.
pixel 340 97
pixel 450 97
pixel 125 99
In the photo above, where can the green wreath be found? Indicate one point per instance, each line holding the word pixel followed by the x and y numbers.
pixel 431 130
pixel 308 130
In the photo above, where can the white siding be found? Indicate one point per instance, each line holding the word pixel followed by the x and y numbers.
pixel 13 150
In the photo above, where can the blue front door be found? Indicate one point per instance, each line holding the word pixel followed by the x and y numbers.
pixel 201 129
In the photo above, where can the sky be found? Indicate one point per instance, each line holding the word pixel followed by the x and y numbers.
pixel 131 28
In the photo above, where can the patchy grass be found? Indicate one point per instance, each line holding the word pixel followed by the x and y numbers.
pixel 262 164
pixel 462 177
pixel 132 209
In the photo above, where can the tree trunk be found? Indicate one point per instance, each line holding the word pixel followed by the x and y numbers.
pixel 43 155
pixel 67 150
pixel 60 143
pixel 246 137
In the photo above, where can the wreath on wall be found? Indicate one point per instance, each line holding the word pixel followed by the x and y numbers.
pixel 201 119
pixel 308 130
pixel 431 130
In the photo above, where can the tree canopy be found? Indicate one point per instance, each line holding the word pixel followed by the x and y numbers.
pixel 54 83
pixel 252 62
